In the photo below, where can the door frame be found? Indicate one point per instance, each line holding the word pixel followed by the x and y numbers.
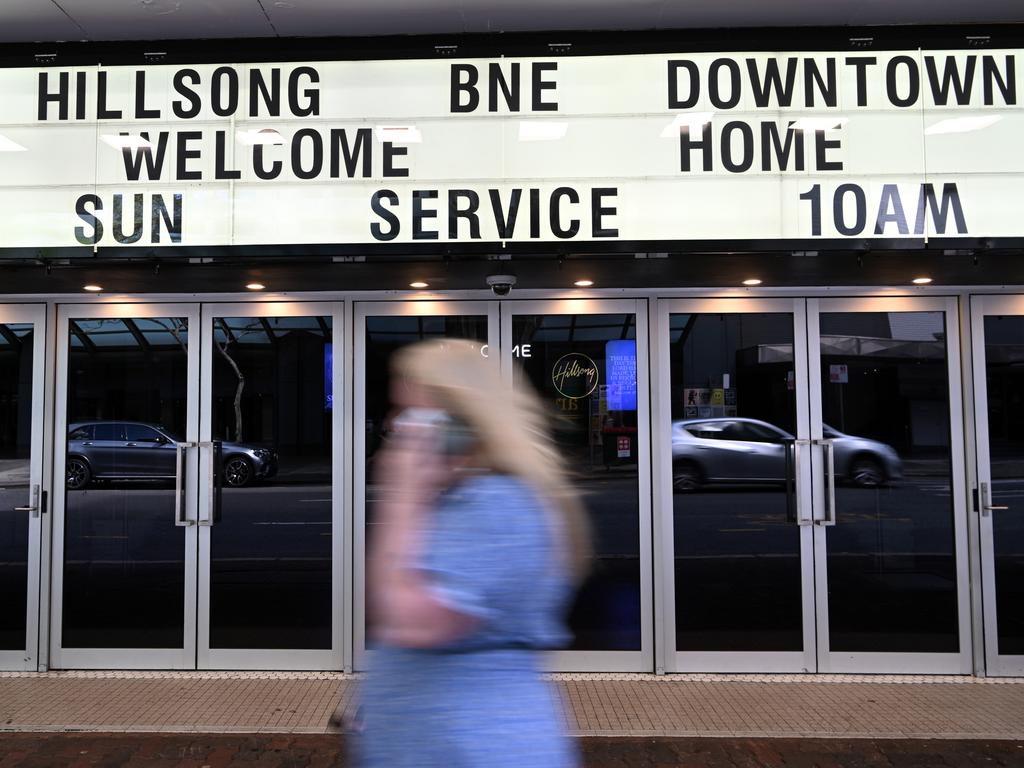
pixel 957 663
pixel 27 659
pixel 279 659
pixel 362 310
pixel 996 664
pixel 664 552
pixel 607 661
pixel 121 658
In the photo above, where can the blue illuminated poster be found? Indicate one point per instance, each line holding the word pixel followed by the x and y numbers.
pixel 620 375
pixel 328 376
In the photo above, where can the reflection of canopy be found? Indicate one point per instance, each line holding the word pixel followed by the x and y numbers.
pixel 12 334
pixel 858 346
pixel 172 332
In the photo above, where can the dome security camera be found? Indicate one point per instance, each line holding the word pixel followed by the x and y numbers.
pixel 501 284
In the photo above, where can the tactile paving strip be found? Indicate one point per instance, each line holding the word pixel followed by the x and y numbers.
pixel 592 704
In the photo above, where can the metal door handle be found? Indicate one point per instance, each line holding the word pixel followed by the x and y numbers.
pixel 213 448
pixel 33 504
pixel 986 501
pixel 801 520
pixel 830 482
pixel 789 477
pixel 180 509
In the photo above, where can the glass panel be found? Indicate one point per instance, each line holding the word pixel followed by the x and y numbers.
pixel 124 564
pixel 891 557
pixel 16 342
pixel 385 335
pixel 1004 373
pixel 589 380
pixel 737 545
pixel 270 543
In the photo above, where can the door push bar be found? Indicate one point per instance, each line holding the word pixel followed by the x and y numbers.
pixel 828 449
pixel 213 481
pixel 33 504
pixel 794 478
pixel 181 518
pixel 830 482
pixel 986 501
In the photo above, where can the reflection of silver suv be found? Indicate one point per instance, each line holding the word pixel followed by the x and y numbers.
pixel 735 450
pixel 132 450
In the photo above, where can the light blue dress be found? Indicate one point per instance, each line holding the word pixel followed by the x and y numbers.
pixel 481 701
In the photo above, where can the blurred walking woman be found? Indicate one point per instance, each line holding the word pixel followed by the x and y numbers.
pixel 475 552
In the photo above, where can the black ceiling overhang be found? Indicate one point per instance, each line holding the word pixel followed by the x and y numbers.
pixel 296 268
pixel 535 44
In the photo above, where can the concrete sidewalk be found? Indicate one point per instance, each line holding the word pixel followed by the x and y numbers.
pixel 621 705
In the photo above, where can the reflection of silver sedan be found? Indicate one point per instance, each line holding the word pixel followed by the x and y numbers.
pixel 735 450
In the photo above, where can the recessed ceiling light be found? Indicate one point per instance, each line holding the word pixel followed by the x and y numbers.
pixel 583 283
pixel 418 284
pixel 752 281
pixel 922 280
pixel 255 286
pixel 92 287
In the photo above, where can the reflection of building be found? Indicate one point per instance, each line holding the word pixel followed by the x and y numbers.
pixel 896 402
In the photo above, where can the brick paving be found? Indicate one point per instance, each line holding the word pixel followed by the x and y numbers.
pixel 79 750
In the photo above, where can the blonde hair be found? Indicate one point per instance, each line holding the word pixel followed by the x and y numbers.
pixel 510 425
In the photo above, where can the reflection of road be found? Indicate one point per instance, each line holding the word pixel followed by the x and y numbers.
pixel 259 522
pixel 612 504
pixel 912 516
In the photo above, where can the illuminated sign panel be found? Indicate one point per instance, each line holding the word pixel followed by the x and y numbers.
pixel 656 147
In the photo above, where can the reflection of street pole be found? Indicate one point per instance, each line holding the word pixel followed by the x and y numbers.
pixel 842 410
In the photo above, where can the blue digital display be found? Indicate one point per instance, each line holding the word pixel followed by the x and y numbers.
pixel 620 375
pixel 328 376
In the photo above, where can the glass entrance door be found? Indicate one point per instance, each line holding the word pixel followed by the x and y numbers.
pixel 997 324
pixel 810 476
pixel 734 480
pixel 125 489
pixel 198 522
pixel 22 503
pixel 588 361
pixel 889 492
pixel 382 328
pixel 270 508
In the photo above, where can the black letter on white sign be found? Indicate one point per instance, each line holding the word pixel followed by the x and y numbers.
pixel 556 213
pixel 455 212
pixel 90 218
pixel 419 213
pixel 540 85
pixel 599 211
pixel 61 96
pixel 392 220
pixel 194 103
pixel 458 87
pixel 693 77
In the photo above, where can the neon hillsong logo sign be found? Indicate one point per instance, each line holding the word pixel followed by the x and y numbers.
pixel 574 375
